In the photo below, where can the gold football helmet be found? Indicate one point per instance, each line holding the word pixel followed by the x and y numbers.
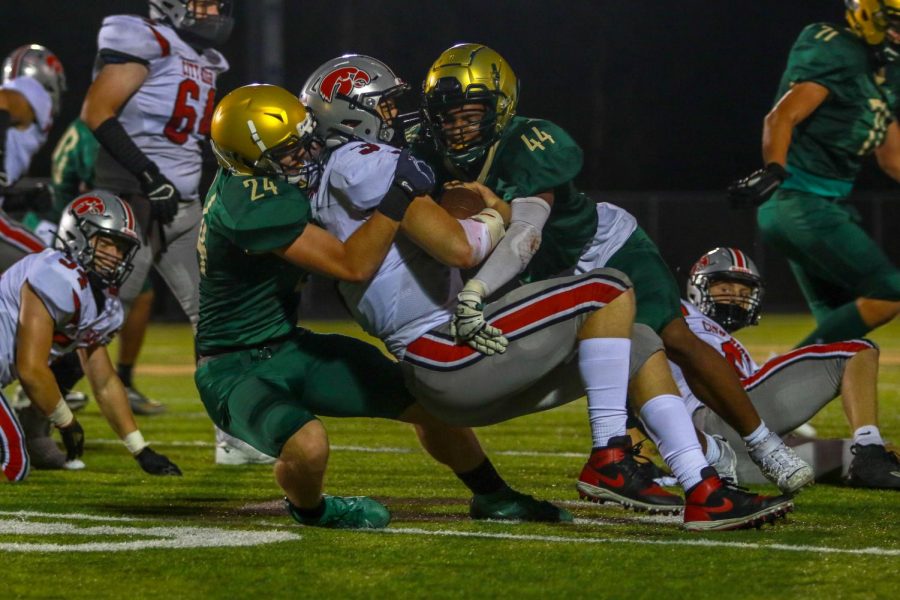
pixel 463 77
pixel 263 129
pixel 878 23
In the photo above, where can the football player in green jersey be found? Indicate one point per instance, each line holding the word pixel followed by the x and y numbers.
pixel 473 135
pixel 836 103
pixel 262 379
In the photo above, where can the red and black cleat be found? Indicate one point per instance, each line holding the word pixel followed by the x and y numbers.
pixel 717 505
pixel 613 475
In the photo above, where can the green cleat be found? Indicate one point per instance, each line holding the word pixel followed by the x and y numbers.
pixel 346 512
pixel 510 505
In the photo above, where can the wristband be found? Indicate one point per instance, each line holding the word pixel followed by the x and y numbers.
pixel 62 415
pixel 394 203
pixel 134 441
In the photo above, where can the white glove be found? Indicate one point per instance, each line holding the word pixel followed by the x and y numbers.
pixel 468 324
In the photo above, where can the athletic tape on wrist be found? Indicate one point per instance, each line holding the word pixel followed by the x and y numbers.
pixel 61 415
pixel 134 441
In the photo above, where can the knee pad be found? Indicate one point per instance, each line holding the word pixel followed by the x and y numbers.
pixel 644 344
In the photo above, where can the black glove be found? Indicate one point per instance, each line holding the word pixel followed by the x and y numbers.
pixel 156 464
pixel 412 178
pixel 73 439
pixel 756 188
pixel 161 192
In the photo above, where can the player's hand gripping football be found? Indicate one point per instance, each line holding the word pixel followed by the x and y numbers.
pixel 491 200
pixel 468 324
pixel 756 188
pixel 73 439
pixel 162 193
pixel 156 464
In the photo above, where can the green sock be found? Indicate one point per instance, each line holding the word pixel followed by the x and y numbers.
pixel 843 323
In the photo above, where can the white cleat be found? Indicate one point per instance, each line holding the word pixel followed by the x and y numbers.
pixel 236 452
pixel 780 464
pixel 726 466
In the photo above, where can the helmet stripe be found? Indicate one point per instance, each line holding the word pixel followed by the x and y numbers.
pixel 17 61
pixel 738 258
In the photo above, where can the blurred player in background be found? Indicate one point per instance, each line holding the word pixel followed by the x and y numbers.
pixel 725 292
pixel 473 135
pixel 558 338
pixel 149 107
pixel 64 300
pixel 33 84
pixel 836 103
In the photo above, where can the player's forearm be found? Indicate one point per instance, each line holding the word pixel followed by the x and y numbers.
pixel 365 250
pixel 431 228
pixel 113 402
pixel 39 383
pixel 776 141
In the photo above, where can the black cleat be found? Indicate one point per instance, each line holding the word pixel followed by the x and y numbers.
pixel 874 466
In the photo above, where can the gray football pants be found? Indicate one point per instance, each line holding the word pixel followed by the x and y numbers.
pixel 789 390
pixel 177 265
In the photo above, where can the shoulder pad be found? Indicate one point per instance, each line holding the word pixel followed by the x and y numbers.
pixel 36 96
pixel 260 214
pixel 133 37
pixel 60 283
pixel 537 155
pixel 362 172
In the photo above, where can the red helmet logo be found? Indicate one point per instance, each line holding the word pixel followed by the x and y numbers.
pixel 703 262
pixel 88 205
pixel 54 63
pixel 342 81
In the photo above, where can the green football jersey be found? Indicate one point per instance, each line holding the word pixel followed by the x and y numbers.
pixel 853 119
pixel 534 156
pixel 247 294
pixel 72 164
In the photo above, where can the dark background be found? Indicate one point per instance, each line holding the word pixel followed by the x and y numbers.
pixel 663 96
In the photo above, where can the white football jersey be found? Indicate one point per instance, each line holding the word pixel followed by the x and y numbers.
pixel 171 112
pixel 63 287
pixel 715 335
pixel 23 144
pixel 411 293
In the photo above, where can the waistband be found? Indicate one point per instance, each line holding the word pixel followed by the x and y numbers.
pixel 804 181
pixel 263 351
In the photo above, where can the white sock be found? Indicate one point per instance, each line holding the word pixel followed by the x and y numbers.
pixel 758 435
pixel 672 430
pixel 713 452
pixel 866 435
pixel 603 363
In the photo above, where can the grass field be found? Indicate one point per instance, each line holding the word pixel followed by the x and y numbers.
pixel 112 531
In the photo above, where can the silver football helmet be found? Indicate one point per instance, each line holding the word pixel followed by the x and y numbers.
pixel 39 63
pixel 356 97
pixel 190 17
pixel 99 214
pixel 726 264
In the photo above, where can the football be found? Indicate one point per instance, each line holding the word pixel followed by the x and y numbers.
pixel 461 203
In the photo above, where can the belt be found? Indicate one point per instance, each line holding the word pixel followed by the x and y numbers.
pixel 258 353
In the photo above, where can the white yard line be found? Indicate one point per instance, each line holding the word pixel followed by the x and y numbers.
pixel 638 541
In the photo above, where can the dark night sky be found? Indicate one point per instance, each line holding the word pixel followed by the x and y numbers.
pixel 660 94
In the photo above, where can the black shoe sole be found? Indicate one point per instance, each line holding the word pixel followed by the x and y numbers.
pixel 602 495
pixel 757 519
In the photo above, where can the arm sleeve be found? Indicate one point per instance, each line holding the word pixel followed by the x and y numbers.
pixel 126 38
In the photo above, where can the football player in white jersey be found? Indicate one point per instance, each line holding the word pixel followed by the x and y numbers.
pixel 150 106
pixel 725 290
pixel 546 343
pixel 65 300
pixel 33 83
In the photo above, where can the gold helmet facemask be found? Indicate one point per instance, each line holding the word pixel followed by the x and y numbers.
pixel 878 23
pixel 470 95
pixel 264 130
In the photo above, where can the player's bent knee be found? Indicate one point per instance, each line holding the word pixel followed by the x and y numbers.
pixel 307 449
pixel 644 344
